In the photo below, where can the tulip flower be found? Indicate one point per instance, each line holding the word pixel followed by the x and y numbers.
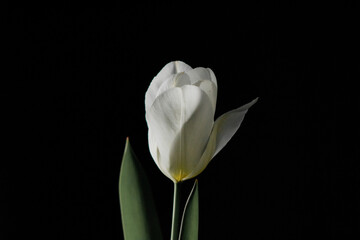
pixel 180 106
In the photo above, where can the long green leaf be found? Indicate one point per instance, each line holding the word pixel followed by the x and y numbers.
pixel 190 221
pixel 138 214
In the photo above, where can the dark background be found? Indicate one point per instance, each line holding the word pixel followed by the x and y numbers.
pixel 76 90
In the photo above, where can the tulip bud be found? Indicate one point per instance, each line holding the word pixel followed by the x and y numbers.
pixel 180 107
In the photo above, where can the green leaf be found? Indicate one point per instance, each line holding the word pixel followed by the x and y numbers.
pixel 138 214
pixel 190 221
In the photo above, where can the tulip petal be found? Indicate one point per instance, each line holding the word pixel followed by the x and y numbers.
pixel 210 89
pixel 198 74
pixel 180 121
pixel 166 72
pixel 224 129
pixel 227 124
pixel 206 80
pixel 176 80
pixel 212 76
pixel 154 151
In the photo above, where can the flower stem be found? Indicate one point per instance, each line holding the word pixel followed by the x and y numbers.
pixel 175 226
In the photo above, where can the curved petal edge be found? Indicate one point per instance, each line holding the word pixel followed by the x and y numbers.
pixel 227 124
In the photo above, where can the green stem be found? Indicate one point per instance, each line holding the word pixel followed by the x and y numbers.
pixel 175 226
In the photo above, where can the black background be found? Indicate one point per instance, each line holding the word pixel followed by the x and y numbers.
pixel 76 90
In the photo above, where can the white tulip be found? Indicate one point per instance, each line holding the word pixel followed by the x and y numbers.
pixel 180 106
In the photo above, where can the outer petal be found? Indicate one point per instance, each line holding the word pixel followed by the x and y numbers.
pixel 156 155
pixel 224 128
pixel 166 72
pixel 227 124
pixel 181 121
